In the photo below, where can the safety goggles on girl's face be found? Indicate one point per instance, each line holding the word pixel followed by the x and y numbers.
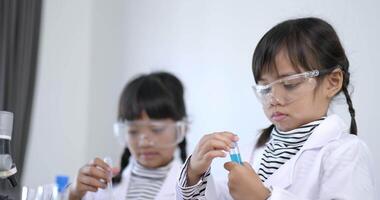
pixel 152 133
pixel 288 89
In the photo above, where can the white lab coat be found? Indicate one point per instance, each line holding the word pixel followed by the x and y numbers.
pixel 167 191
pixel 332 164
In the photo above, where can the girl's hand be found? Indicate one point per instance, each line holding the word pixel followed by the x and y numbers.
pixel 244 183
pixel 209 147
pixel 90 177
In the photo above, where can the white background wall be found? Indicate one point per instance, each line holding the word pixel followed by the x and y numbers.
pixel 59 124
pixel 80 75
pixel 88 52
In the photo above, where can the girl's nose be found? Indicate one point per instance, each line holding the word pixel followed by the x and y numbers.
pixel 145 141
pixel 273 100
pixel 276 97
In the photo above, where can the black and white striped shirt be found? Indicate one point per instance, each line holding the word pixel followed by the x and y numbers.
pixel 193 192
pixel 282 146
pixel 145 183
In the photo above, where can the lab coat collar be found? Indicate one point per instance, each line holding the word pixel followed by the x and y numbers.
pixel 124 184
pixel 167 189
pixel 329 130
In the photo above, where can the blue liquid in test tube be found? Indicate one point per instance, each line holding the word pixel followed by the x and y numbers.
pixel 235 154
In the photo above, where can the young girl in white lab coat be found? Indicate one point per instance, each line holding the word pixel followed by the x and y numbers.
pixel 152 122
pixel 299 67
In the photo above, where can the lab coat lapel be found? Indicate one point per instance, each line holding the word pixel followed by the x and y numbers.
pixel 330 129
pixel 168 188
pixel 123 187
pixel 282 177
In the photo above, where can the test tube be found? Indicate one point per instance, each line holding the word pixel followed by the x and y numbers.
pixel 108 160
pixel 235 154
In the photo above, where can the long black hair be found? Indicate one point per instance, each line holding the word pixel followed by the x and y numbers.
pixel 311 43
pixel 160 95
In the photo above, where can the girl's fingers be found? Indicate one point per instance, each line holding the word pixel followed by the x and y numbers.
pixel 214 154
pixel 211 145
pixel 247 165
pixel 97 162
pixel 229 165
pixel 91 182
pixel 87 188
pixel 231 136
pixel 228 138
pixel 95 172
pixel 220 141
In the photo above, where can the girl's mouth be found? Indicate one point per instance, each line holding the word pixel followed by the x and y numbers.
pixel 149 155
pixel 278 116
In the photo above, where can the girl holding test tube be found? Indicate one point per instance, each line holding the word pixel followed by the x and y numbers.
pixel 152 124
pixel 306 153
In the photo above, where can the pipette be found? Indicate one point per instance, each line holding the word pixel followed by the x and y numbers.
pixel 109 188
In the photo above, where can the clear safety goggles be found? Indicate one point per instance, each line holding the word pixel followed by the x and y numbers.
pixel 288 89
pixel 153 133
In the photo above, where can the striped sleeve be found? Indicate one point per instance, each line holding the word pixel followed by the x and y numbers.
pixel 194 192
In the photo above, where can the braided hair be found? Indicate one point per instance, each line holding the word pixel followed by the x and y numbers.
pixel 311 43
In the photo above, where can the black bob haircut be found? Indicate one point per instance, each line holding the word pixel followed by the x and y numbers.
pixel 161 96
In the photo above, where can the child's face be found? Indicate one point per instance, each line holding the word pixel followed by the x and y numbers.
pixel 292 107
pixel 144 150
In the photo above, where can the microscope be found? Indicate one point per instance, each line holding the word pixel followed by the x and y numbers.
pixel 7 166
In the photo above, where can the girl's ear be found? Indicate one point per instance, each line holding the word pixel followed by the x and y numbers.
pixel 333 83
